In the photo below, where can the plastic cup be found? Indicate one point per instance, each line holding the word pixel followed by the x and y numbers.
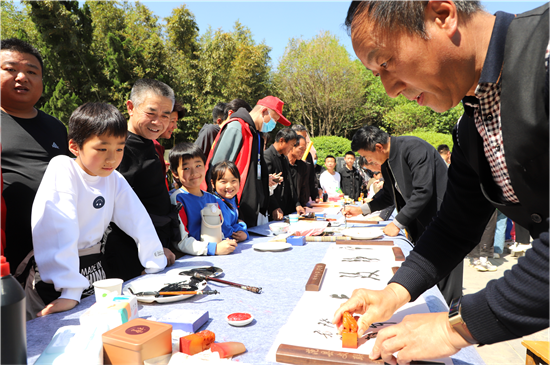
pixel 102 288
pixel 293 218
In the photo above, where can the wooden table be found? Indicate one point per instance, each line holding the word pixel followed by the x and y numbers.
pixel 537 352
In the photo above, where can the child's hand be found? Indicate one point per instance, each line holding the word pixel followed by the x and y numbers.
pixel 277 214
pixel 225 247
pixel 170 257
pixel 58 305
pixel 239 236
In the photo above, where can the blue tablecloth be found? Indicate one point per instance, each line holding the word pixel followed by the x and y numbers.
pixel 282 275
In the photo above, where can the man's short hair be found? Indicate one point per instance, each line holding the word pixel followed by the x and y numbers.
pixel 367 137
pixel 17 45
pixel 217 112
pixel 443 148
pixel 399 15
pixel 298 139
pixel 143 87
pixel 183 152
pixel 96 119
pixel 350 153
pixel 298 128
pixel 179 109
pixel 361 161
pixel 235 105
pixel 286 134
pixel 330 156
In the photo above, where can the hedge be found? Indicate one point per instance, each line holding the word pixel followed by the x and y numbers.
pixel 336 146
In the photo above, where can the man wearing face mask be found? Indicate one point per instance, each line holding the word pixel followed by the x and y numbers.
pixel 239 141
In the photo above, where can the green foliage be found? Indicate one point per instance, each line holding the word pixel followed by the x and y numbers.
pixel 407 116
pixel 336 146
pixel 399 115
pixel 321 86
pixel 433 138
pixel 96 50
pixel 62 103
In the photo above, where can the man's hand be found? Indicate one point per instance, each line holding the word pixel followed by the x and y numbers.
pixel 391 230
pixel 300 210
pixel 170 257
pixel 225 247
pixel 374 305
pixel 351 211
pixel 58 305
pixel 418 337
pixel 275 179
pixel 277 214
pixel 239 236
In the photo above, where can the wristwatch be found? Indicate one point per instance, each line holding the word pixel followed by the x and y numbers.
pixel 456 321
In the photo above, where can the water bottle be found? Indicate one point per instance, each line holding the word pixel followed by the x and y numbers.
pixel 211 225
pixel 14 327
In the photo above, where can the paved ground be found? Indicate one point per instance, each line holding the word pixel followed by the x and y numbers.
pixel 509 352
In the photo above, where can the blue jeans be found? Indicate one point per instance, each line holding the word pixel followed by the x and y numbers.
pixel 500 233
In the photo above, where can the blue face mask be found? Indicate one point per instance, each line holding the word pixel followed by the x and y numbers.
pixel 269 126
pixel 315 162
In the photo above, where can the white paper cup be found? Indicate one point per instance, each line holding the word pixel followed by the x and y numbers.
pixel 293 218
pixel 102 288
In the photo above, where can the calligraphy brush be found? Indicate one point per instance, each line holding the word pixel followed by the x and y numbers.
pixel 157 293
pixel 245 287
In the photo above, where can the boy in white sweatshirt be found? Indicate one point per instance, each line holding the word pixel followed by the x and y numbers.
pixel 76 201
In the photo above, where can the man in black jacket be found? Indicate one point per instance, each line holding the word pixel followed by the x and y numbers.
pixel 351 180
pixel 438 53
pixel 284 200
pixel 415 181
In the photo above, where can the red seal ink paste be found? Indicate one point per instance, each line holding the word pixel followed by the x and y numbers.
pixel 239 316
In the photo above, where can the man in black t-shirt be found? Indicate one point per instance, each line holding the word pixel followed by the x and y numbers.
pixel 150 106
pixel 30 139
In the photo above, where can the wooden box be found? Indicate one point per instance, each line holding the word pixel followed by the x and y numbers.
pixel 136 341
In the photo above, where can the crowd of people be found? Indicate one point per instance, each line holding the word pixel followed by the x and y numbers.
pixel 68 196
pixel 95 202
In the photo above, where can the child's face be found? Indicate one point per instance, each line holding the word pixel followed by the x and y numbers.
pixel 330 163
pixel 99 155
pixel 228 185
pixel 191 173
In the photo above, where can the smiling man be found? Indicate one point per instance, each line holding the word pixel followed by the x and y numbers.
pixel 30 139
pixel 439 53
pixel 150 108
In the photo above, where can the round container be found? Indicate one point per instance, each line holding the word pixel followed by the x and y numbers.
pixel 279 228
pixel 102 288
pixel 293 218
pixel 239 319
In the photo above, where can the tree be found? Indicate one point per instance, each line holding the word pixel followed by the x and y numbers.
pixel 321 85
pixel 62 103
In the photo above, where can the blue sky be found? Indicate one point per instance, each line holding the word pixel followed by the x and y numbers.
pixel 276 22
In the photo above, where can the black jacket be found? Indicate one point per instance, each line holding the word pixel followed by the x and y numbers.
pixel 284 196
pixel 516 304
pixel 351 182
pixel 421 177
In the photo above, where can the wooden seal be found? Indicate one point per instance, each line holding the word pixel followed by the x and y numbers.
pixel 305 355
pixel 394 269
pixel 314 282
pixel 398 254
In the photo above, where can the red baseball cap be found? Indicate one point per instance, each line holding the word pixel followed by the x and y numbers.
pixel 276 105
